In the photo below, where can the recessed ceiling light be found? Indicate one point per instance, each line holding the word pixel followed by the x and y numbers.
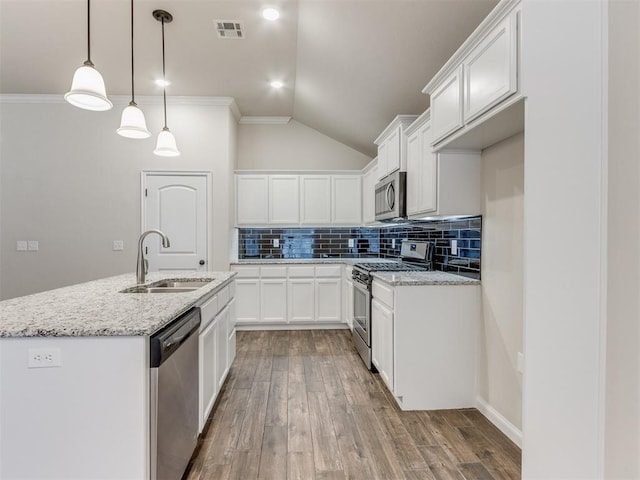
pixel 270 13
pixel 163 83
pixel 277 84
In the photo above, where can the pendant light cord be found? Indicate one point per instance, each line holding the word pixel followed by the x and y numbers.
pixel 133 97
pixel 89 63
pixel 164 78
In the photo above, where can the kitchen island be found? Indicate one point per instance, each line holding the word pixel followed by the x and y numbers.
pixel 86 415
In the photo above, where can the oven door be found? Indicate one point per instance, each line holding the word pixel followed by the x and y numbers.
pixel 362 311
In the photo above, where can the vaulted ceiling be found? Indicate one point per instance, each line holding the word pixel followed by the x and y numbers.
pixel 348 66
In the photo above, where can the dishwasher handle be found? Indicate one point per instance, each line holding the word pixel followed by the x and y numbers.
pixel 165 342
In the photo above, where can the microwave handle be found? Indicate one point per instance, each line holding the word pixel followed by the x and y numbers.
pixel 391 196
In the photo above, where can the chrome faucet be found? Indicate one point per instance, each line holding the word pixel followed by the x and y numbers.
pixel 142 265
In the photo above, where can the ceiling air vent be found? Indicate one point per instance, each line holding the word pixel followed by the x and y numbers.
pixel 229 29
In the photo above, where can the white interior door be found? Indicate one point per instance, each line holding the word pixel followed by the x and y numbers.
pixel 176 204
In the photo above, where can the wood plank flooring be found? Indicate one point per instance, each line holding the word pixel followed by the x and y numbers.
pixel 301 405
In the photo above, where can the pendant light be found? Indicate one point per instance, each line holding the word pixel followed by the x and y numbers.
pixel 166 144
pixel 132 123
pixel 87 88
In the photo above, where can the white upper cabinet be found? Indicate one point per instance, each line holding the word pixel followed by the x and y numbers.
pixel 474 97
pixel 413 168
pixel 446 106
pixel 315 199
pixel 284 207
pixel 422 168
pixel 252 199
pixel 369 178
pixel 392 145
pixel 490 70
pixel 346 205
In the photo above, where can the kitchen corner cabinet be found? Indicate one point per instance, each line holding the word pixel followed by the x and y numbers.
pixel 440 183
pixel 427 356
pixel 252 199
pixel 216 350
pixel 392 146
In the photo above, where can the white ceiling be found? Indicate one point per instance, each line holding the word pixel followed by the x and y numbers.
pixel 349 66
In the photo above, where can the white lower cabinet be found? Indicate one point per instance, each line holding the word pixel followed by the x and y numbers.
pixel 424 343
pixel 294 294
pixel 216 347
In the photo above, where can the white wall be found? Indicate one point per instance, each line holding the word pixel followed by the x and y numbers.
pixel 565 244
pixel 622 428
pixel 70 182
pixel 500 383
pixel 293 146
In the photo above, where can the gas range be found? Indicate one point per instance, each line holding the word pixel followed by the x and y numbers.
pixel 415 256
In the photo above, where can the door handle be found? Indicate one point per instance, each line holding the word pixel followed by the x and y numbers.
pixel 201 262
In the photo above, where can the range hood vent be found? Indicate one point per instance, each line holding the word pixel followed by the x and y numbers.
pixel 230 29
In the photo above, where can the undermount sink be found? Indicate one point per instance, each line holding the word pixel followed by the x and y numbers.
pixel 170 286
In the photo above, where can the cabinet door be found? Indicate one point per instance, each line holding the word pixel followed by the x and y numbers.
pixel 346 199
pixel 490 70
pixel 315 199
pixel 301 299
pixel 383 153
pixel 284 204
pixel 329 300
pixel 231 331
pixel 273 300
pixel 348 308
pixel 428 180
pixel 382 341
pixel 446 106
pixel 394 141
pixel 248 300
pixel 222 366
pixel 414 172
pixel 368 197
pixel 207 360
pixel 252 199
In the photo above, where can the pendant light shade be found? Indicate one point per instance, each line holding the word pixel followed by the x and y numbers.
pixel 166 144
pixel 87 89
pixel 132 123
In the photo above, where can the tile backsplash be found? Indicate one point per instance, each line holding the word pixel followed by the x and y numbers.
pixel 347 242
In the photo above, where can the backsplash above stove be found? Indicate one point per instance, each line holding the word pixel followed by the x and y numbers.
pixel 374 242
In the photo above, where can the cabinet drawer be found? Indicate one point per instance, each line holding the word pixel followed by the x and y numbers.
pixel 273 272
pixel 247 271
pixel 301 271
pixel 329 271
pixel 383 293
pixel 223 297
pixel 208 311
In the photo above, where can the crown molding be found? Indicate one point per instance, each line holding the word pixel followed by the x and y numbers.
pixel 251 120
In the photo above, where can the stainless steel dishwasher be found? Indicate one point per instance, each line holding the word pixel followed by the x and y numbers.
pixel 174 396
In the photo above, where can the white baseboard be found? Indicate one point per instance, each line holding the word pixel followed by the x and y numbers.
pixel 504 425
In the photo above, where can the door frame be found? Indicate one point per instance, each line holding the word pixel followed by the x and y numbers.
pixel 209 206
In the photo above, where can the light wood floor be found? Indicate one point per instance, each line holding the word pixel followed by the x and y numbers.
pixel 301 405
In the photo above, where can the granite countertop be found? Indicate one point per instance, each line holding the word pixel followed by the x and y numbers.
pixel 423 278
pixel 99 309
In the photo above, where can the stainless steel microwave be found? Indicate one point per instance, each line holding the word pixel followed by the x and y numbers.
pixel 391 197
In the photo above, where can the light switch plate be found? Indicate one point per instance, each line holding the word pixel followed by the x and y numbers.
pixel 32 245
pixel 276 242
pixel 118 245
pixel 351 243
pixel 454 247
pixel 21 246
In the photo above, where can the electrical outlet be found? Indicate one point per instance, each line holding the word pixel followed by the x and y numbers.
pixel 276 242
pixel 520 362
pixel 118 245
pixel 351 243
pixel 32 245
pixel 44 358
pixel 454 247
pixel 393 243
pixel 21 246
